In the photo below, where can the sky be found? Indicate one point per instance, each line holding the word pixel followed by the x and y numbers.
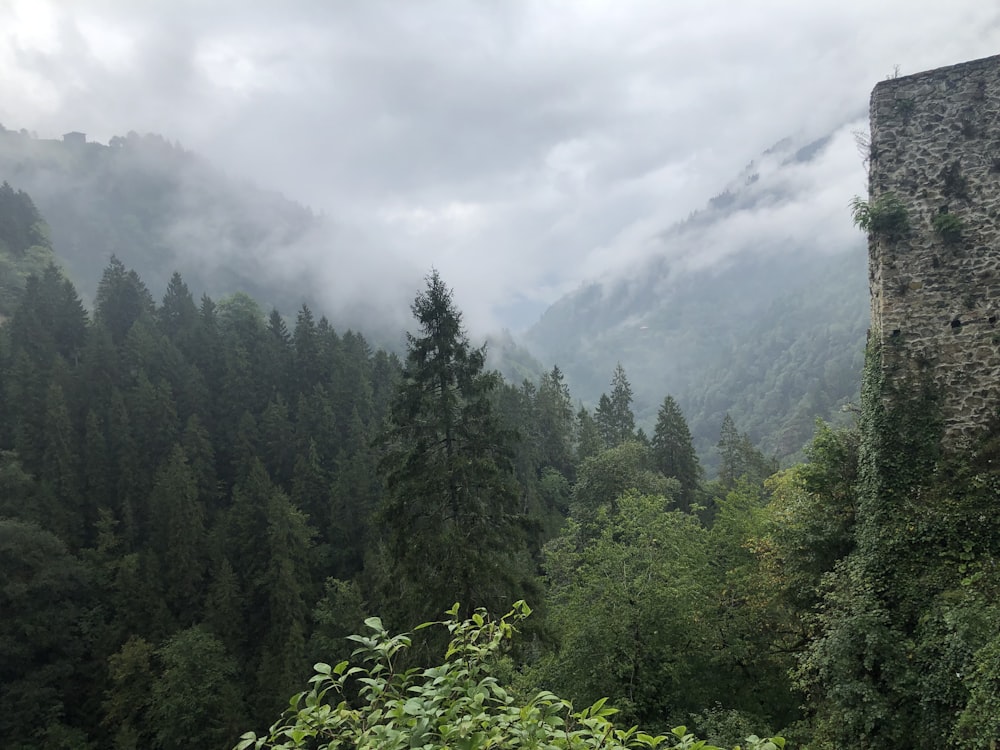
pixel 519 147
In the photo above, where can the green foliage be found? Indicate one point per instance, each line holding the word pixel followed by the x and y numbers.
pixel 614 418
pixel 949 227
pixel 979 723
pixel 588 437
pixel 673 451
pixel 884 217
pixel 603 477
pixel 917 581
pixel 451 520
pixel 195 701
pixel 25 249
pixel 45 594
pixel 739 458
pixel 158 208
pixel 555 422
pixel 776 341
pixel 459 703
pixel 629 607
pixel 122 299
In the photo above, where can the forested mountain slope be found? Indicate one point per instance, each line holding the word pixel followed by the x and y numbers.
pixel 160 208
pixel 24 245
pixel 771 329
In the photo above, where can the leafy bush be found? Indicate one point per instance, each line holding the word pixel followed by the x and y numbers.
pixel 459 704
pixel 884 216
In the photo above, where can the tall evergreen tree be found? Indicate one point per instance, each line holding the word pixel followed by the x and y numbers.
pixel 554 409
pixel 122 298
pixel 588 437
pixel 673 450
pixel 305 341
pixel 740 458
pixel 450 521
pixel 60 471
pixel 614 417
pixel 177 536
pixel 178 316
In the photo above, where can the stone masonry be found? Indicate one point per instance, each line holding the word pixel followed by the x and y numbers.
pixel 935 283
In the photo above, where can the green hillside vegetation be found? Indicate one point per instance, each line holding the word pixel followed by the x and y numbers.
pixel 201 500
pixel 774 336
pixel 771 333
pixel 192 516
pixel 25 249
pixel 214 499
pixel 774 341
pixel 158 207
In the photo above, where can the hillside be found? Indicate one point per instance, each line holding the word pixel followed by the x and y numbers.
pixel 771 331
pixel 160 208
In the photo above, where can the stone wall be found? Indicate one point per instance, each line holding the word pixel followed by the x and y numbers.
pixel 935 282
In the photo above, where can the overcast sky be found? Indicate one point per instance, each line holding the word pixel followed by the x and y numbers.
pixel 519 147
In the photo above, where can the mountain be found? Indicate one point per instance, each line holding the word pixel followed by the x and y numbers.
pixel 739 310
pixel 160 209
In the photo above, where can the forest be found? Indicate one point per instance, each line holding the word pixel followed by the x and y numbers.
pixel 200 500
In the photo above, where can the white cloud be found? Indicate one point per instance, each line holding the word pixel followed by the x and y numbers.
pixel 519 146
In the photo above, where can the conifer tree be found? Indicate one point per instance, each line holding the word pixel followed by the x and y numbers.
pixel 59 470
pixel 673 450
pixel 311 490
pixel 177 536
pixel 450 521
pixel 588 437
pixel 739 457
pixel 178 316
pixel 122 298
pixel 277 438
pixel 554 408
pixel 306 345
pixel 614 417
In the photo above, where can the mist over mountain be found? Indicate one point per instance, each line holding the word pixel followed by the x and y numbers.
pixel 755 305
pixel 160 208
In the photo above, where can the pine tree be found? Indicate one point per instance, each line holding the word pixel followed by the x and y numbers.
pixel 673 451
pixel 178 316
pixel 276 358
pixel 450 521
pixel 308 371
pixel 311 491
pixel 354 493
pixel 284 592
pixel 740 458
pixel 66 517
pixel 122 299
pixel 614 417
pixel 277 438
pixel 730 446
pixel 177 536
pixel 588 437
pixel 554 408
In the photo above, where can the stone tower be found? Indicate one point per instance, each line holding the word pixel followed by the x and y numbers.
pixel 934 247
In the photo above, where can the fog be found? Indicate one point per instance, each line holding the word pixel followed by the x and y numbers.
pixel 520 148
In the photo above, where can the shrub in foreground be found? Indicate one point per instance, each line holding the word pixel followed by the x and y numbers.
pixel 458 704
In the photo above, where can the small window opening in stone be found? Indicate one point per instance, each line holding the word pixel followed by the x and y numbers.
pixel 992 320
pixel 956 323
pixel 895 333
